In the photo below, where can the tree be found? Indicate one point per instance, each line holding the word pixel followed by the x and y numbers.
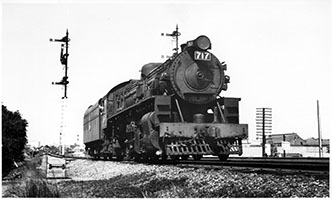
pixel 13 138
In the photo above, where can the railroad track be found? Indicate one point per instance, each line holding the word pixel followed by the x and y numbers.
pixel 302 165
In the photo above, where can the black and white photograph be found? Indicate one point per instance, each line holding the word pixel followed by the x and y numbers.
pixel 166 98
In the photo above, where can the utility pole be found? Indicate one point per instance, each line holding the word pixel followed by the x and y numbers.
pixel 284 139
pixel 78 136
pixel 319 132
pixel 263 125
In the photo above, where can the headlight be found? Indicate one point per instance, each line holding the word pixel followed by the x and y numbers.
pixel 203 42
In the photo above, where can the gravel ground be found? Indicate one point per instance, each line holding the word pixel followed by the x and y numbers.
pixel 124 180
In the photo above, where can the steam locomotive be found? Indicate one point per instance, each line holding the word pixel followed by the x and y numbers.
pixel 173 111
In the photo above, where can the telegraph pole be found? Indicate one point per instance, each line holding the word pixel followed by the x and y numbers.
pixel 78 136
pixel 263 125
pixel 319 132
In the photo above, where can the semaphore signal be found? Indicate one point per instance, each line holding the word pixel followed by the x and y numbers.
pixel 64 61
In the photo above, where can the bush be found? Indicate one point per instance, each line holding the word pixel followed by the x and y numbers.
pixel 13 138
pixel 40 188
pixel 32 188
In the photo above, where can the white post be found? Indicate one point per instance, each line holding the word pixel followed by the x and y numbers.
pixel 319 132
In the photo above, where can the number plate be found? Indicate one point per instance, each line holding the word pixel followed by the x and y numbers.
pixel 202 55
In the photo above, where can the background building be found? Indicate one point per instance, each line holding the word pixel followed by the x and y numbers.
pixel 298 147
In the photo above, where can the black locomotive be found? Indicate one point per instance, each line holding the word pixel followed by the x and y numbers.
pixel 174 111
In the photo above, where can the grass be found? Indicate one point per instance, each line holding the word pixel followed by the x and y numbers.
pixel 32 184
pixel 32 188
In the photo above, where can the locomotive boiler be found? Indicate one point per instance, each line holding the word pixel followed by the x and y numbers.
pixel 174 110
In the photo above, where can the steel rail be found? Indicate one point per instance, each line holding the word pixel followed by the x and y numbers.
pixel 307 165
pixel 321 166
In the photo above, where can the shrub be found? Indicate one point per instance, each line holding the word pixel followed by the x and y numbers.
pixel 32 188
pixel 13 138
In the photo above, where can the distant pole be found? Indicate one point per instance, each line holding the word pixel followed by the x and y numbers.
pixel 319 132
pixel 263 125
pixel 263 134
pixel 284 139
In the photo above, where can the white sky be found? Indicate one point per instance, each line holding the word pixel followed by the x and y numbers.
pixel 278 55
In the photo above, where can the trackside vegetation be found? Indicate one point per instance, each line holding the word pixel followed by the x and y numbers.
pixel 14 138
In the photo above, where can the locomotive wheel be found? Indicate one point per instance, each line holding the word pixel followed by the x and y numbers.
pixel 119 155
pixel 127 155
pixel 223 157
pixel 164 157
pixel 197 157
pixel 175 157
pixel 154 158
pixel 184 157
pixel 137 158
